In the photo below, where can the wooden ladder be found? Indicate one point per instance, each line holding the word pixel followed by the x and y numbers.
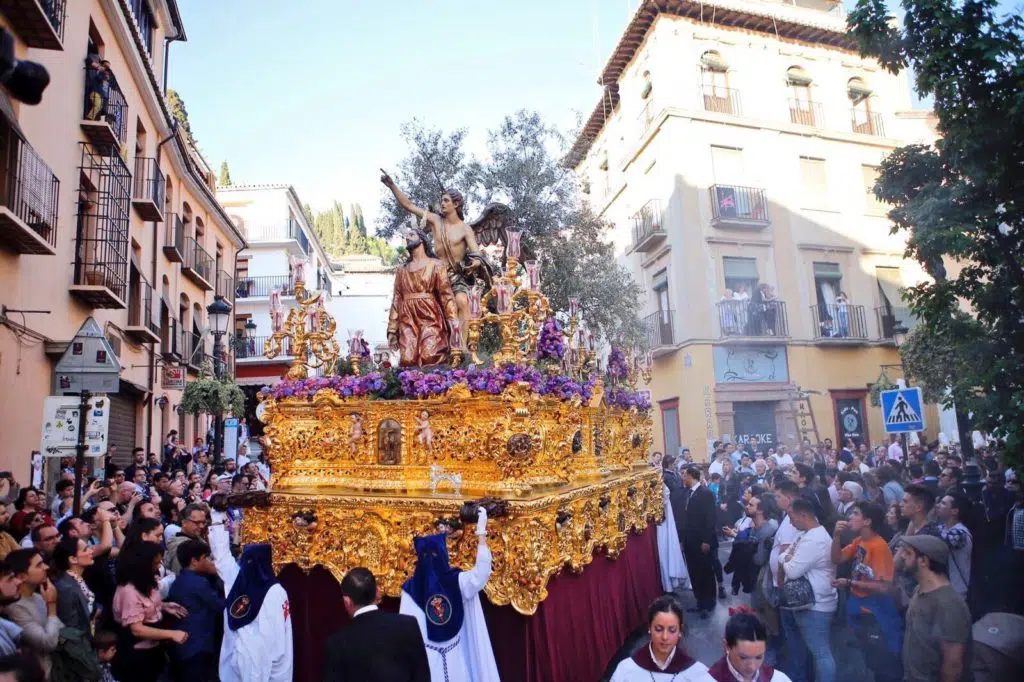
pixel 803 414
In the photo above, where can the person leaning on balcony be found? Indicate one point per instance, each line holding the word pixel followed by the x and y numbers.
pixel 97 83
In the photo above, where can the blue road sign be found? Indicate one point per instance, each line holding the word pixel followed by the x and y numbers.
pixel 902 410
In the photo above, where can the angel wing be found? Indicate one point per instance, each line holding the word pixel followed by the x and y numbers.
pixel 493 224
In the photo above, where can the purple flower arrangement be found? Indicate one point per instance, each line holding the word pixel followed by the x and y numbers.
pixel 551 342
pixel 620 397
pixel 617 367
pixel 414 383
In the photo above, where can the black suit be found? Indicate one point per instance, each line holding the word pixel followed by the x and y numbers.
pixel 699 529
pixel 377 647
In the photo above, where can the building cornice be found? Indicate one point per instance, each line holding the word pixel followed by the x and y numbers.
pixel 784 23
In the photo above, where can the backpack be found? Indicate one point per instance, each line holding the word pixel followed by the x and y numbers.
pixel 74 659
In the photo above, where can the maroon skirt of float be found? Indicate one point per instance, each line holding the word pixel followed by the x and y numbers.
pixel 572 636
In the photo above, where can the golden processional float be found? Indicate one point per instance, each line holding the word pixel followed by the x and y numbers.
pixel 362 463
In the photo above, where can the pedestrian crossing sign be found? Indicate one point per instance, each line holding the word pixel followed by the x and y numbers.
pixel 902 410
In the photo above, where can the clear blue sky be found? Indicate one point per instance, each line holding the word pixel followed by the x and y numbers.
pixel 312 92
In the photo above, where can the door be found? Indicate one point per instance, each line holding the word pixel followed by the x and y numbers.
pixel 670 425
pixel 755 419
pixel 121 431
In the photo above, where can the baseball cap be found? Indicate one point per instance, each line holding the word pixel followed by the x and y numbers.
pixel 930 546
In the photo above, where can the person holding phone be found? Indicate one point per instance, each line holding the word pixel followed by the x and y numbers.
pixel 35 612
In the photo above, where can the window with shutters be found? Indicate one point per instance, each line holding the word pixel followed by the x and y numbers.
pixel 740 274
pixel 812 174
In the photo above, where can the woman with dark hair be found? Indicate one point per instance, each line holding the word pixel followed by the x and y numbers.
pixel 746 642
pixel 143 530
pixel 29 500
pixel 138 612
pixel 664 659
pixel 76 603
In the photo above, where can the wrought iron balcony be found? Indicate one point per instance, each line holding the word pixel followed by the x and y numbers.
pixel 806 113
pixel 174 238
pixel 648 227
pixel 742 318
pixel 141 323
pixel 839 322
pixel 105 112
pixel 101 233
pixel 660 329
pixel 225 287
pixel 735 206
pixel 194 351
pixel 260 287
pixel 172 337
pixel 866 122
pixel 288 230
pixel 40 23
pixel 252 348
pixel 647 117
pixel 197 265
pixel 150 187
pixel 721 100
pixel 28 198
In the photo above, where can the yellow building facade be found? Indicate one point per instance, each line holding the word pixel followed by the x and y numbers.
pixel 732 151
pixel 106 212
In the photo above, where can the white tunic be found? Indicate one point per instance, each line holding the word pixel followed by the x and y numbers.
pixel 670 555
pixel 468 656
pixel 629 671
pixel 262 650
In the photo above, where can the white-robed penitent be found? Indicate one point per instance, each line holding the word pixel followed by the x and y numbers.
pixel 641 667
pixel 257 645
pixel 446 604
pixel 670 554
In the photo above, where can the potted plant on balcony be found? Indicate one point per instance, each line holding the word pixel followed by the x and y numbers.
pixel 209 395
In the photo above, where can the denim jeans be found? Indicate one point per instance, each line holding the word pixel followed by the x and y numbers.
pixel 807 633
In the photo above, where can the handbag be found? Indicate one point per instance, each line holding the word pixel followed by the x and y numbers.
pixel 796 594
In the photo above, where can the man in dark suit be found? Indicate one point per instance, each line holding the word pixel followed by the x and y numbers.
pixel 699 540
pixel 376 646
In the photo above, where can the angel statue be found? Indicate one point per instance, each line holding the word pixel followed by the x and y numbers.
pixel 459 244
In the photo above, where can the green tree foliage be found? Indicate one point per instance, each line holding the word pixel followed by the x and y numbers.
pixel 225 175
pixel 343 235
pixel 961 202
pixel 521 169
pixel 208 395
pixel 180 114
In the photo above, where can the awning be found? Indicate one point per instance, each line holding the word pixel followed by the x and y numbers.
pixel 713 61
pixel 797 76
pixel 857 90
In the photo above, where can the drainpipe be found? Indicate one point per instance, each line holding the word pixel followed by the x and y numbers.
pixel 153 283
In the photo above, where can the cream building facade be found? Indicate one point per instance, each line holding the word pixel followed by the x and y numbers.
pixel 104 212
pixel 733 147
pixel 280 239
pixel 363 300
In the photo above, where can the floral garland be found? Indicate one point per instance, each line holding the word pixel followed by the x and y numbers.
pixel 415 383
pixel 617 367
pixel 551 342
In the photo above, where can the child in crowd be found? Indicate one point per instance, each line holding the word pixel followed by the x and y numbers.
pixel 105 644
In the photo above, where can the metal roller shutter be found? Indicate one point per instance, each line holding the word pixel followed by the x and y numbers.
pixel 122 426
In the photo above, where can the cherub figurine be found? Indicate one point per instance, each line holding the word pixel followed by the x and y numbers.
pixel 424 432
pixel 355 432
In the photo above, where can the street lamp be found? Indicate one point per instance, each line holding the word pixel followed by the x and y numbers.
pixel 219 314
pixel 250 339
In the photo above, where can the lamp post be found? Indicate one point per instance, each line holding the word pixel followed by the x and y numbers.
pixel 250 338
pixel 219 314
pixel 899 337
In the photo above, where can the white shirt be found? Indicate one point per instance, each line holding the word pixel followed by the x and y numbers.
pixel 715 468
pixel 785 460
pixel 895 452
pixel 364 609
pixel 784 536
pixel 812 559
pixel 667 660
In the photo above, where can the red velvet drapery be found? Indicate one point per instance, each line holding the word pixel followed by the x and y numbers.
pixel 571 638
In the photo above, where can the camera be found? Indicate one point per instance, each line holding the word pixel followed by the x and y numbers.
pixel 23 79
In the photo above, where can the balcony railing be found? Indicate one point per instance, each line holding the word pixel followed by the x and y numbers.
pixel 721 100
pixel 735 205
pixel 194 352
pixel 298 235
pixel 141 324
pixel 744 318
pixel 225 287
pixel 260 287
pixel 889 317
pixel 40 23
pixel 171 343
pixel 252 347
pixel 866 122
pixel 647 117
pixel 660 329
pixel 278 232
pixel 105 111
pixel 28 199
pixel 648 226
pixel 806 113
pixel 150 186
pixel 174 238
pixel 197 264
pixel 840 321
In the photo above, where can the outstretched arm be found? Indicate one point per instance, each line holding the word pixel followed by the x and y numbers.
pixel 474 580
pixel 400 196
